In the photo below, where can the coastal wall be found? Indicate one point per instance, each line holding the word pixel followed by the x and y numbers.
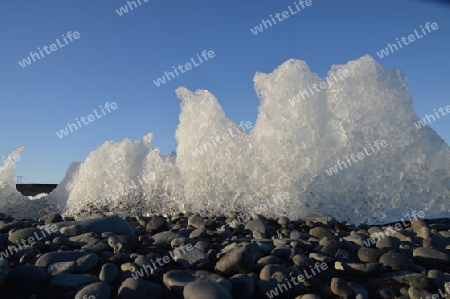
pixel 35 189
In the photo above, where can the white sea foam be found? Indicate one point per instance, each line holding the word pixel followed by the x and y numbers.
pixel 289 150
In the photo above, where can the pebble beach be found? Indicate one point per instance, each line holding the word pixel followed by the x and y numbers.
pixel 190 256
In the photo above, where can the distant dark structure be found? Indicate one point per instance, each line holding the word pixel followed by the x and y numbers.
pixel 35 189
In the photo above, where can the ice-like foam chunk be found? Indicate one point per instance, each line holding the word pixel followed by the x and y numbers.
pixel 14 203
pixel 306 127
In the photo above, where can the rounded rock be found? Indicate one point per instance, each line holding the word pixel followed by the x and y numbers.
pixel 398 262
pixel 415 292
pixel 139 289
pixel 301 260
pixel 320 233
pixel 25 234
pixel 340 287
pixel 96 290
pixel 237 261
pixel 369 255
pixel 200 232
pixel 61 267
pixel 388 242
pixel 157 224
pixel 431 257
pixel 108 273
pixel 178 241
pixel 205 290
pixel 256 225
pixel 330 247
pixel 53 218
pixel 50 258
pixel 417 224
pixel 196 221
pixel 165 237
pixel 176 280
pixel 87 262
pixel 270 259
pixel 270 271
pixel 190 258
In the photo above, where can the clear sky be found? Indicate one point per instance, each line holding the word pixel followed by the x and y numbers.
pixel 116 58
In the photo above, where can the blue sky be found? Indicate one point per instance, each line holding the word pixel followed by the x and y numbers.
pixel 117 58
